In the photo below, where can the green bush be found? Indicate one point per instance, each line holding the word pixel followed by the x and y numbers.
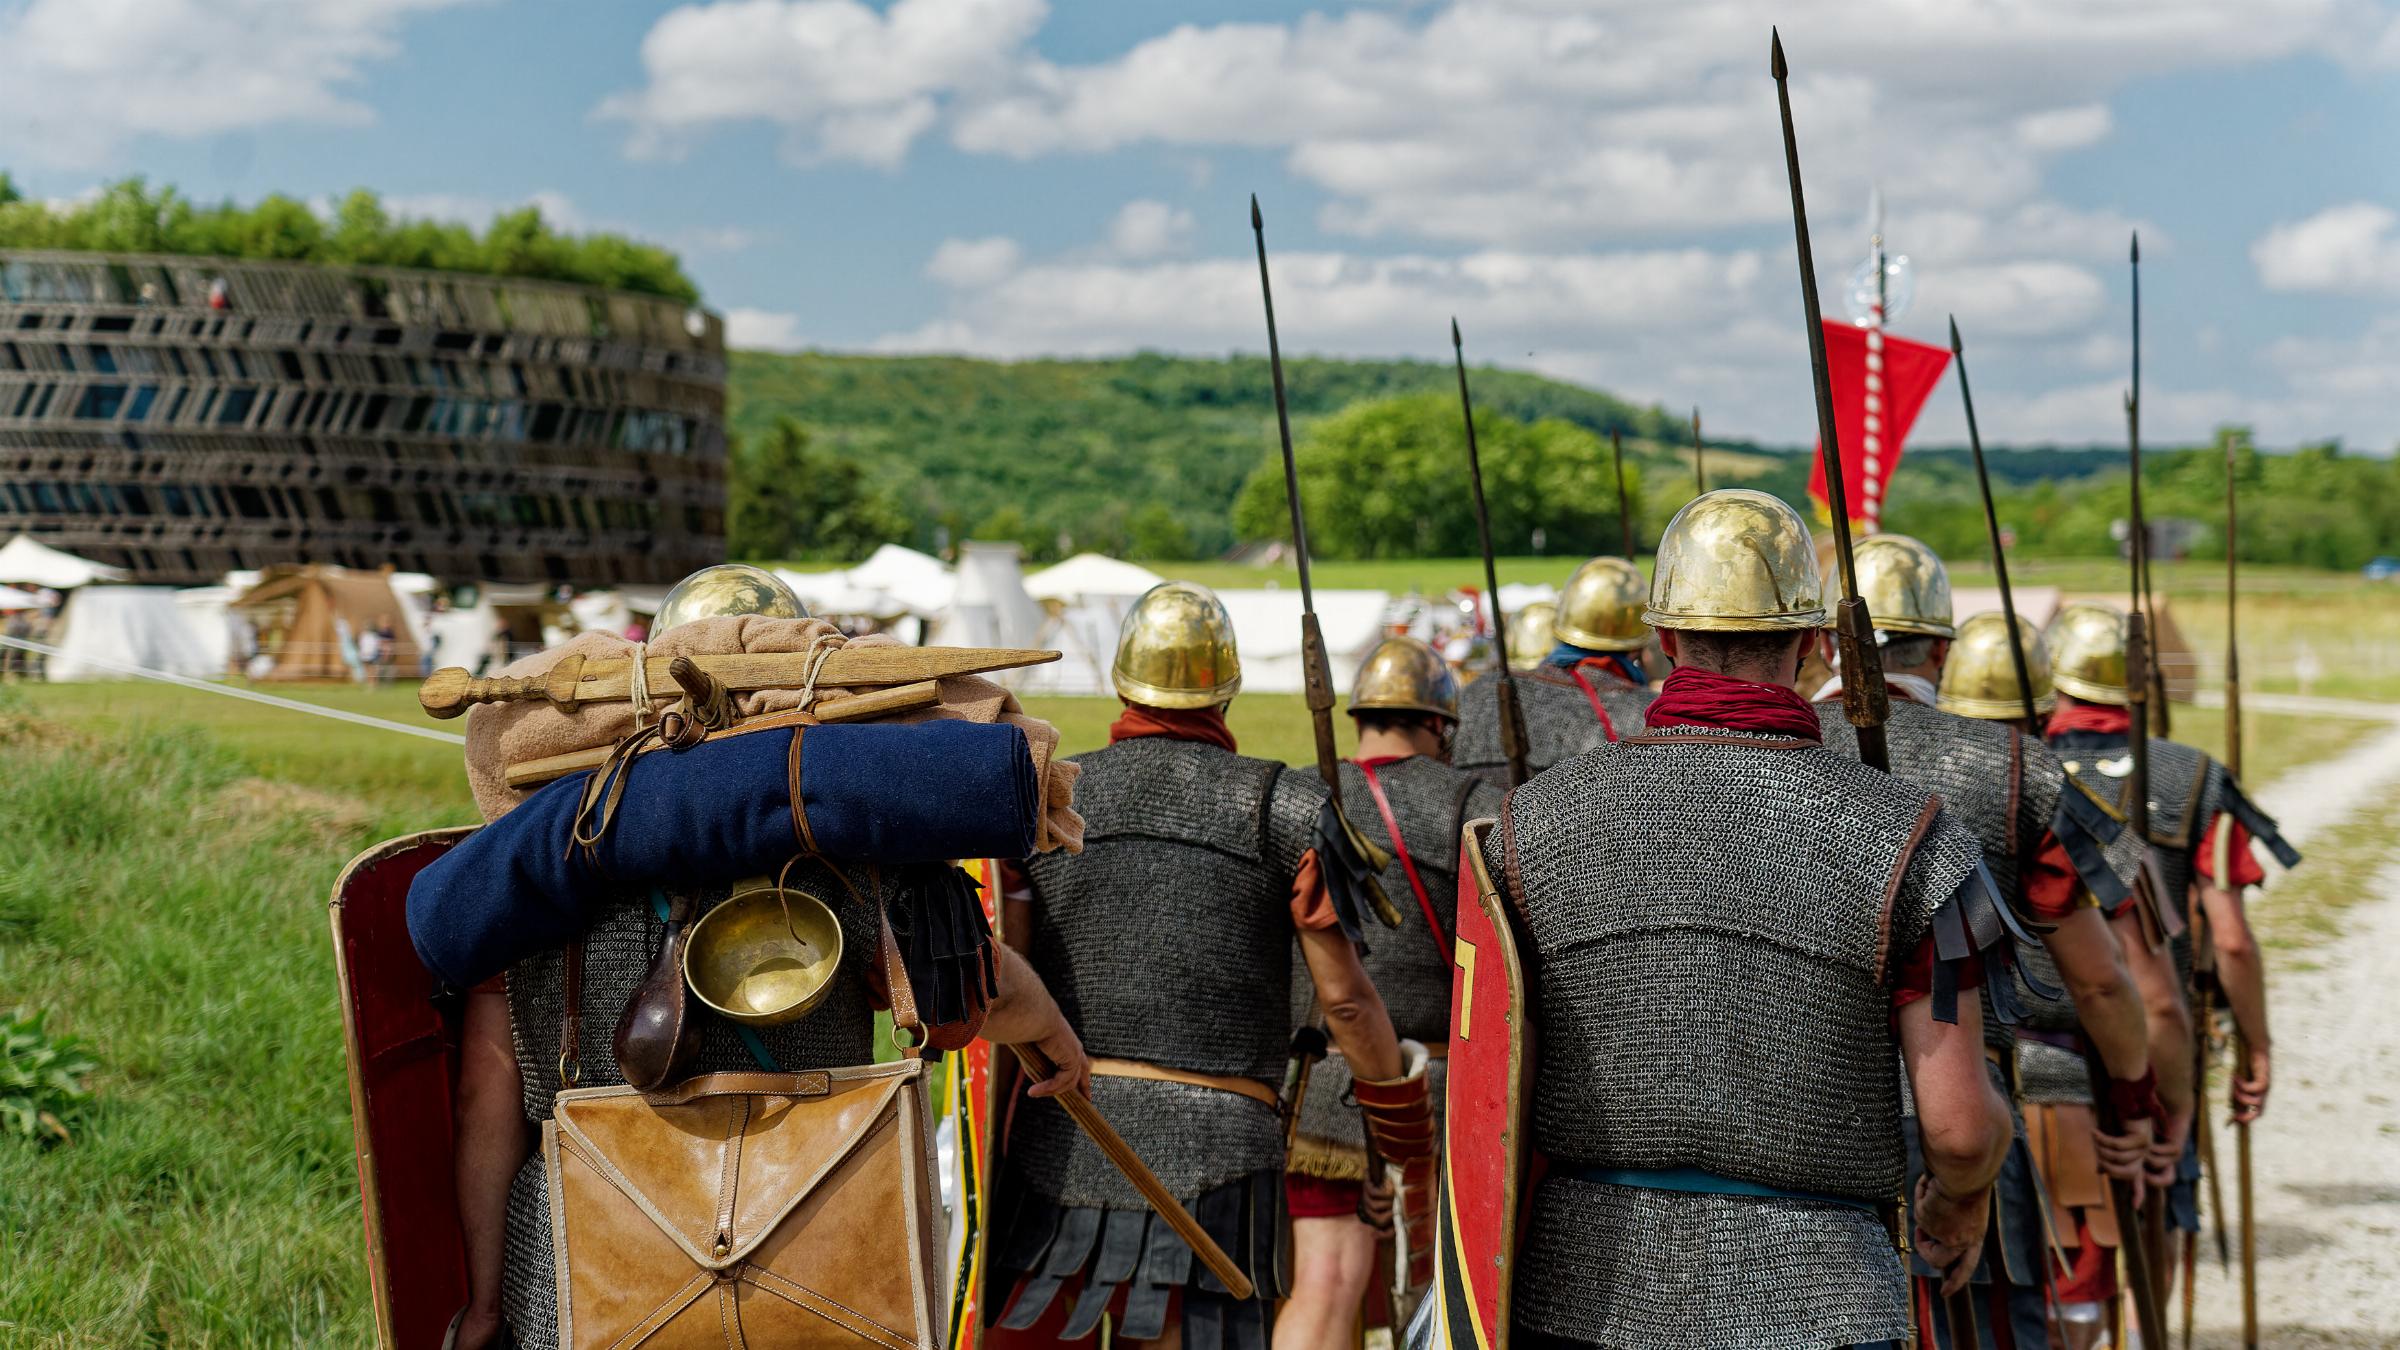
pixel 41 1079
pixel 131 217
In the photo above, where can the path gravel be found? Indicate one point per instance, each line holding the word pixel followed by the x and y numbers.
pixel 2327 1154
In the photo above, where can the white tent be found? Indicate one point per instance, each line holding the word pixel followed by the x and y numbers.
pixel 1266 627
pixel 1088 575
pixel 989 606
pixel 2035 604
pixel 107 627
pixel 920 582
pixel 26 561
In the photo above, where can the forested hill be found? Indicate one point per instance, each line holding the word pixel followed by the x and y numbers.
pixel 1122 454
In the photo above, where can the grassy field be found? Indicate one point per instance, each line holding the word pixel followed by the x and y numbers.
pixel 163 899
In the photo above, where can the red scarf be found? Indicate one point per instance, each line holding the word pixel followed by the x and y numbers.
pixel 2076 715
pixel 1205 725
pixel 1692 697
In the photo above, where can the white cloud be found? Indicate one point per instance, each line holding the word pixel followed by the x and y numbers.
pixel 2065 128
pixel 763 330
pixel 844 80
pixel 1148 229
pixel 80 78
pixel 973 262
pixel 2349 249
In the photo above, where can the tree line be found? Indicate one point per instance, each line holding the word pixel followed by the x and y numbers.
pixel 1168 458
pixel 132 217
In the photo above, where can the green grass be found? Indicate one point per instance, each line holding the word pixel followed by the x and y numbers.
pixel 166 906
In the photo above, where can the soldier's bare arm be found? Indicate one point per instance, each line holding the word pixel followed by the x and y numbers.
pixel 1023 1012
pixel 493 1142
pixel 2242 974
pixel 2170 1023
pixel 1964 1128
pixel 2106 1001
pixel 1354 1013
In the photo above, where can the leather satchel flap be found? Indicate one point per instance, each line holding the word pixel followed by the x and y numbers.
pixel 746 1209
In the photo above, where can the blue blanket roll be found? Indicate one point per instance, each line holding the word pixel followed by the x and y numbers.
pixel 883 793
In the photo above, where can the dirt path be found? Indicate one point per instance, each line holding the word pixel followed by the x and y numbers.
pixel 2327 1155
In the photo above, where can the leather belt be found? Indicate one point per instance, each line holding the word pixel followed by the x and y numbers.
pixel 1134 1068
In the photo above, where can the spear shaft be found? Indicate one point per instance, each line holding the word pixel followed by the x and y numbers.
pixel 1699 457
pixel 1991 525
pixel 1865 702
pixel 2148 602
pixel 1317 668
pixel 1616 442
pixel 1512 713
pixel 2233 762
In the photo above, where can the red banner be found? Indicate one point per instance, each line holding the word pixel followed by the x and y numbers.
pixel 1896 376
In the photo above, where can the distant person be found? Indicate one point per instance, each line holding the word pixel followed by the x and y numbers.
pixel 1590 690
pixel 12 661
pixel 637 631
pixel 370 656
pixel 387 649
pixel 345 645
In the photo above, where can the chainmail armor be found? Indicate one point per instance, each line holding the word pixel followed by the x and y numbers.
pixel 1991 778
pixel 1716 970
pixel 617 951
pixel 1169 940
pixel 2052 1075
pixel 1559 724
pixel 1712 1271
pixel 1432 801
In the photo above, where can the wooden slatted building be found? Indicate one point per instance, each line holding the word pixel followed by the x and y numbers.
pixel 185 416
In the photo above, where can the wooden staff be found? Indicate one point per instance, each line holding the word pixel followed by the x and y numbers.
pixel 1120 1153
pixel 2241 1044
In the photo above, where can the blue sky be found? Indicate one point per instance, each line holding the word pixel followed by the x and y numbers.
pixel 1593 186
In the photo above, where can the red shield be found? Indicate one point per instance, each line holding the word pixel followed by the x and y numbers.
pixel 1485 1151
pixel 403 1051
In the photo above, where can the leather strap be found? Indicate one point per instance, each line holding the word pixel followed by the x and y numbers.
pixel 800 830
pixel 1599 710
pixel 1408 865
pixel 908 1029
pixel 1158 1073
pixel 570 1027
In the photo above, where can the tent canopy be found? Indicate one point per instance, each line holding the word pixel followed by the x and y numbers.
pixel 108 627
pixel 315 597
pixel 1092 574
pixel 27 561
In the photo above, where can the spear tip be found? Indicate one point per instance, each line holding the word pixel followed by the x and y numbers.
pixel 1455 340
pixel 2137 246
pixel 1955 348
pixel 1775 63
pixel 1257 222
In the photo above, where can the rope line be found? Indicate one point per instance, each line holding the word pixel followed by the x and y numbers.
pixel 210 687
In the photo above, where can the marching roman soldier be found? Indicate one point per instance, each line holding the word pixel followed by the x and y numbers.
pixel 602 1003
pixel 1589 690
pixel 2200 862
pixel 1728 989
pixel 1169 942
pixel 1408 800
pixel 2042 837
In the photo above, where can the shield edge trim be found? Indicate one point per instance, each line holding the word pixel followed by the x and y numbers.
pixel 1456 1300
pixel 370 1191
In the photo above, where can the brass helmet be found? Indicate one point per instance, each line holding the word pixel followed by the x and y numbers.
pixel 2087 651
pixel 1906 586
pixel 1532 632
pixel 1405 675
pixel 1176 649
pixel 1980 678
pixel 1601 608
pixel 727 589
pixel 1736 560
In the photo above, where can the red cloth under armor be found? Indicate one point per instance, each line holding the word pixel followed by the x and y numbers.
pixel 1692 697
pixel 1206 725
